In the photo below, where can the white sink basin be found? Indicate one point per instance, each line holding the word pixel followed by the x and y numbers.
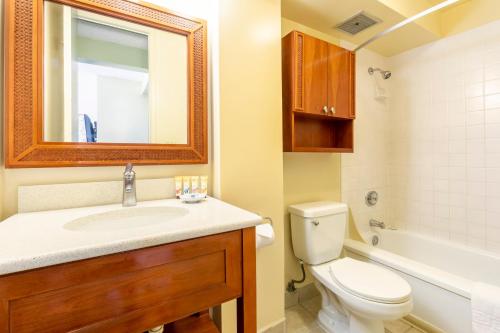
pixel 126 218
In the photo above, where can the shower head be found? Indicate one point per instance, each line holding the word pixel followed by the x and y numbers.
pixel 385 74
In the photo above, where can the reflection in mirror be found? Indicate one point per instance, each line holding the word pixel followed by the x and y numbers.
pixel 108 80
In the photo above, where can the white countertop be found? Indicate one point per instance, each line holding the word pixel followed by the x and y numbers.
pixel 33 240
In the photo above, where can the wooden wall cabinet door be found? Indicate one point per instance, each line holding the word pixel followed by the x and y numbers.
pixel 315 74
pixel 340 82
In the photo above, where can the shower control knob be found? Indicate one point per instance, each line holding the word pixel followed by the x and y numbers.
pixel 325 109
pixel 332 110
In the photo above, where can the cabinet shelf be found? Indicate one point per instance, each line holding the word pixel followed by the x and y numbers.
pixel 315 134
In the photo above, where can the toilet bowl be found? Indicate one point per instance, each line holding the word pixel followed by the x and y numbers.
pixel 356 296
pixel 364 294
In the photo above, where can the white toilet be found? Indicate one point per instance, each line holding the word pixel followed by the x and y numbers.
pixel 356 296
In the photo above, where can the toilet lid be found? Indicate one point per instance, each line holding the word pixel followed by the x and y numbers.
pixel 369 281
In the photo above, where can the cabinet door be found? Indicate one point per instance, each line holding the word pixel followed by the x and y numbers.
pixel 315 74
pixel 129 291
pixel 340 82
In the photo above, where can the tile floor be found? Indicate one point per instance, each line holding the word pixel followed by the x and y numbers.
pixel 301 318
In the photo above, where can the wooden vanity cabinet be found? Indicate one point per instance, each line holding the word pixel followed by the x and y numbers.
pixel 318 95
pixel 136 290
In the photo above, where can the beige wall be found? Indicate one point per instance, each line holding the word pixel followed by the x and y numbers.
pixel 468 15
pixel 306 176
pixel 251 141
pixel 251 138
pixel 289 25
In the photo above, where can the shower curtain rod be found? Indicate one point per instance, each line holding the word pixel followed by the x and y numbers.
pixel 407 21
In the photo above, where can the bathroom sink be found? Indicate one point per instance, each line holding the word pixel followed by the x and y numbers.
pixel 126 218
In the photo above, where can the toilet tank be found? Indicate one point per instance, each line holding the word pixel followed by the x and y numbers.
pixel 318 230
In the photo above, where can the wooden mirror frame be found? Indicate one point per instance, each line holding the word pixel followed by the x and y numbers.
pixel 24 144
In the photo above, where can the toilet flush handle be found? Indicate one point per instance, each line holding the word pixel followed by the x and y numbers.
pixel 315 222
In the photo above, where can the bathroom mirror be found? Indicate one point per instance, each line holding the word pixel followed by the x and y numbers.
pixel 108 80
pixel 103 83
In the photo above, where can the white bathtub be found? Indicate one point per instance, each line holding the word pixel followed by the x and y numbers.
pixel 441 274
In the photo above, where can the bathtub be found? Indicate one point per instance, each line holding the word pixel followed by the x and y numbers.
pixel 441 274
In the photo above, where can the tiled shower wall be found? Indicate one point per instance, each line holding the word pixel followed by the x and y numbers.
pixel 366 169
pixel 444 139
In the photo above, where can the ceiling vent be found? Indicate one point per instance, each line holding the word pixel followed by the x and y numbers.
pixel 358 23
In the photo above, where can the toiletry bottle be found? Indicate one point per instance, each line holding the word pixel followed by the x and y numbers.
pixel 178 186
pixel 204 185
pixel 195 184
pixel 186 184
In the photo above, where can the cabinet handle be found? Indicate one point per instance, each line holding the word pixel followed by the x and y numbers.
pixel 325 109
pixel 332 109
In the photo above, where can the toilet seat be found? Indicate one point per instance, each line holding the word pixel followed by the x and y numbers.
pixel 369 281
pixel 373 305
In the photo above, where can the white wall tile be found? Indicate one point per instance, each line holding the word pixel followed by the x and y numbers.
pixel 492 175
pixel 492 72
pixel 475 202
pixel 492 131
pixel 475 131
pixel 476 188
pixel 493 204
pixel 457 172
pixel 492 145
pixel 457 159
pixel 458 214
pixel 474 89
pixel 492 116
pixel 492 87
pixel 492 101
pixel 493 246
pixel 475 118
pixel 493 160
pixel 493 234
pixel 493 219
pixel 437 153
pixel 493 189
pixel 476 174
pixel 478 103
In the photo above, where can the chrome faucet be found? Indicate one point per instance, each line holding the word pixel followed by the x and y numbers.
pixel 129 193
pixel 377 224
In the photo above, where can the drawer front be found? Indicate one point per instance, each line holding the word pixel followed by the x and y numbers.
pixel 161 284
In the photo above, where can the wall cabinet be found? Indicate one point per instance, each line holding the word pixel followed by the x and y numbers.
pixel 318 95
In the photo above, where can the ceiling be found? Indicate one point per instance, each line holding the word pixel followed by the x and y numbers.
pixel 324 15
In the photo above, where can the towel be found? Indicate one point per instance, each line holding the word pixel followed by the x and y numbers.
pixel 485 308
